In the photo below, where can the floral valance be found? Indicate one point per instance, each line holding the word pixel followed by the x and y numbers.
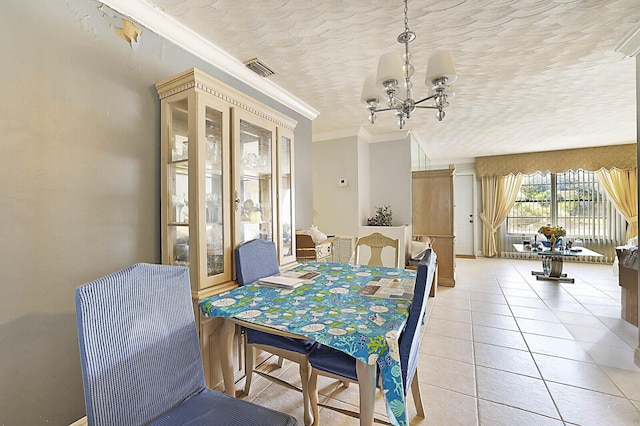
pixel 592 159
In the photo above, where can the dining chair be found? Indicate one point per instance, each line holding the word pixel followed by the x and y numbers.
pixel 257 259
pixel 140 357
pixel 330 362
pixel 376 242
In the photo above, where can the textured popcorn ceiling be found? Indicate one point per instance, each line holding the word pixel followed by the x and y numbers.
pixel 533 75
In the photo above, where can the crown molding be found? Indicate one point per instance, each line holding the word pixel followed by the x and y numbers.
pixel 630 43
pixel 362 133
pixel 165 26
pixel 335 134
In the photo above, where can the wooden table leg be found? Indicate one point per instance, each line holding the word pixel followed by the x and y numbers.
pixel 227 333
pixel 367 382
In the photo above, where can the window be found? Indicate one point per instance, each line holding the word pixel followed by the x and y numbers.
pixel 573 200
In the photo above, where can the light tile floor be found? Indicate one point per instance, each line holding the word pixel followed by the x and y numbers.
pixel 502 348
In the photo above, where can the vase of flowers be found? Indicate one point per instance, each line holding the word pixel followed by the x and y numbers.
pixel 553 234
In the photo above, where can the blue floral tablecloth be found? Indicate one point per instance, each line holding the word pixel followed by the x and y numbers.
pixel 330 311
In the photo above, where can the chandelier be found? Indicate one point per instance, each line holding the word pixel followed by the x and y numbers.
pixel 393 69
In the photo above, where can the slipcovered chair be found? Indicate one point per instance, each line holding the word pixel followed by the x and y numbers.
pixel 257 259
pixel 140 356
pixel 337 364
pixel 376 242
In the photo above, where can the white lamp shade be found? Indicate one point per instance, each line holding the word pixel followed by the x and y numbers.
pixel 389 68
pixel 441 65
pixel 370 90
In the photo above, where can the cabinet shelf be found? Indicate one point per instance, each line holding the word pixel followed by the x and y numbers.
pixel 182 162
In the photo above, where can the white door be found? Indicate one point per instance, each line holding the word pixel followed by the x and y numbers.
pixel 464 218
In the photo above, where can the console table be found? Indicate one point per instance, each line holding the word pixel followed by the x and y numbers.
pixel 552 262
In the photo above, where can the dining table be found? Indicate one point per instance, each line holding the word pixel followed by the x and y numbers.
pixel 335 307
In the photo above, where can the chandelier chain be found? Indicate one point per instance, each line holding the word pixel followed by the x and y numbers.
pixel 406 17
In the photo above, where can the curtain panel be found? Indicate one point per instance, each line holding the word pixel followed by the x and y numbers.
pixel 499 193
pixel 621 187
pixel 591 159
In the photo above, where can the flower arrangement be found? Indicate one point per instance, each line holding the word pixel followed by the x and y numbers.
pixel 555 231
pixel 382 218
pixel 553 234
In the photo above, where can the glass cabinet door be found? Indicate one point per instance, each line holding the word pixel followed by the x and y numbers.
pixel 214 191
pixel 254 188
pixel 178 183
pixel 286 201
pixel 221 179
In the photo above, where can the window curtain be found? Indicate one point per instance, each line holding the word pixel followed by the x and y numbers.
pixel 621 187
pixel 499 193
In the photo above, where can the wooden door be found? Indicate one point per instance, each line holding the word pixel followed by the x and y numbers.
pixel 432 194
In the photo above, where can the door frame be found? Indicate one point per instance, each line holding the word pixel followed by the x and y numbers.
pixel 474 203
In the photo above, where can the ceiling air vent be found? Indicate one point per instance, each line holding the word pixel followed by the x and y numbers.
pixel 259 67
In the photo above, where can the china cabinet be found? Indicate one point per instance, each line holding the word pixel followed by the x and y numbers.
pixel 227 178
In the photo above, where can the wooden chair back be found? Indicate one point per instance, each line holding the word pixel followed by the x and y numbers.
pixel 376 242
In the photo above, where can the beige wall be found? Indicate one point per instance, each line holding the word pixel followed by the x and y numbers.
pixel 79 184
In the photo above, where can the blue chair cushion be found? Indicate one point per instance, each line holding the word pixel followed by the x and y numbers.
pixel 215 408
pixel 295 345
pixel 333 361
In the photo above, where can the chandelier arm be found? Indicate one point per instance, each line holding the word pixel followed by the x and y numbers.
pixel 400 101
pixel 385 109
pixel 425 99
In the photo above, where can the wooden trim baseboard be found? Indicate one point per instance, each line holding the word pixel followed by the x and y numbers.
pixel 466 256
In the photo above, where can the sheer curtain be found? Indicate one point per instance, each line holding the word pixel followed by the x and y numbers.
pixel 499 193
pixel 621 187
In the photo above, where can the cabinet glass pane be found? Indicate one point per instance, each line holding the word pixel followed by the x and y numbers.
pixel 180 237
pixel 214 192
pixel 179 190
pixel 178 185
pixel 178 130
pixel 255 182
pixel 286 210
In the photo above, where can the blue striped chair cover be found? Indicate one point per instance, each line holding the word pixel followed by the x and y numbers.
pixel 140 356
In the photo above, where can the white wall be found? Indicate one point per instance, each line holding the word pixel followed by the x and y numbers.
pixel 336 209
pixel 378 173
pixel 364 189
pixel 390 178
